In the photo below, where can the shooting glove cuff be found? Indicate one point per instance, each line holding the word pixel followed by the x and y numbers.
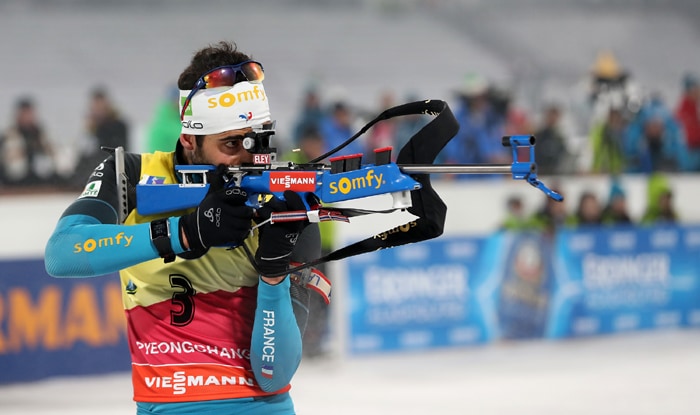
pixel 277 240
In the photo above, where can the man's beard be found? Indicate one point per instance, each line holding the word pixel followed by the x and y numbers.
pixel 197 157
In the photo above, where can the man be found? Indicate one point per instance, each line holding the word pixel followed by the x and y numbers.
pixel 208 333
pixel 551 152
pixel 654 140
pixel 659 209
pixel 688 116
pixel 105 127
pixel 480 128
pixel 336 127
pixel 27 157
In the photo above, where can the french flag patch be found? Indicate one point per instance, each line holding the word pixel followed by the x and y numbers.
pixel 152 180
pixel 267 371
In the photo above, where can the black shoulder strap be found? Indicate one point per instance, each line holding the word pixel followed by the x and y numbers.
pixel 422 148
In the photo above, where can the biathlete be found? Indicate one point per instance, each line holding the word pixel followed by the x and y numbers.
pixel 208 332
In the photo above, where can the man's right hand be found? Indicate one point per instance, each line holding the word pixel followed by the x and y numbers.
pixel 221 219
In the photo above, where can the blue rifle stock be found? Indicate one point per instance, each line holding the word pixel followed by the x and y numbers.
pixel 330 187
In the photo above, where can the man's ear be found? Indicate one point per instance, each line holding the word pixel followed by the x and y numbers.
pixel 187 141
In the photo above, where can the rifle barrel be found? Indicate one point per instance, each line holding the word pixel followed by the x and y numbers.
pixel 457 168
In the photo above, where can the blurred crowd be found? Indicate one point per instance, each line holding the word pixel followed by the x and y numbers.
pixel 612 126
pixel 29 160
pixel 591 210
pixel 607 126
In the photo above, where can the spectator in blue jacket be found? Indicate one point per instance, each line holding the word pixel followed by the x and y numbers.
pixel 478 140
pixel 310 116
pixel 653 141
pixel 337 127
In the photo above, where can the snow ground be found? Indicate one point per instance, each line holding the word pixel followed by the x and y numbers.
pixel 639 373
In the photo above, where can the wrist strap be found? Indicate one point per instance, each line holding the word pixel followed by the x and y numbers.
pixel 160 236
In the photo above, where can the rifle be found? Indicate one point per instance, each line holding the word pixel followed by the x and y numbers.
pixel 345 178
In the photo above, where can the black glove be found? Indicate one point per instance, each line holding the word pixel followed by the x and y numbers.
pixel 277 240
pixel 221 219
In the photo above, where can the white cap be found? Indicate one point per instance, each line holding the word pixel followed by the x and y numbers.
pixel 215 110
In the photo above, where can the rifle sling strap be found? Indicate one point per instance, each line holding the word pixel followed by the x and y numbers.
pixel 422 148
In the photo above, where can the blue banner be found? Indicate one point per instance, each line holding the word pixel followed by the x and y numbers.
pixel 435 293
pixel 51 327
pixel 525 277
pixel 519 285
pixel 613 280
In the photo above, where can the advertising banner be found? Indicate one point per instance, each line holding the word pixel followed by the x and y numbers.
pixel 613 280
pixel 524 285
pixel 525 277
pixel 51 326
pixel 436 293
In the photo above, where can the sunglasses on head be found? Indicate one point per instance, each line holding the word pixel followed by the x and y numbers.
pixel 227 75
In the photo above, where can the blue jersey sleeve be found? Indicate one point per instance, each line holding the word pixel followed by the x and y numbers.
pixel 88 239
pixel 275 351
pixel 81 246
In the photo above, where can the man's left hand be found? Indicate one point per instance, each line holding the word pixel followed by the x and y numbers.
pixel 277 240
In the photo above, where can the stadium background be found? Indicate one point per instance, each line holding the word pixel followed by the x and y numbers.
pixel 57 51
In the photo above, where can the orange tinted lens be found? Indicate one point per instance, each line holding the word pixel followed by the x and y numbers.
pixel 253 72
pixel 226 76
pixel 220 77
